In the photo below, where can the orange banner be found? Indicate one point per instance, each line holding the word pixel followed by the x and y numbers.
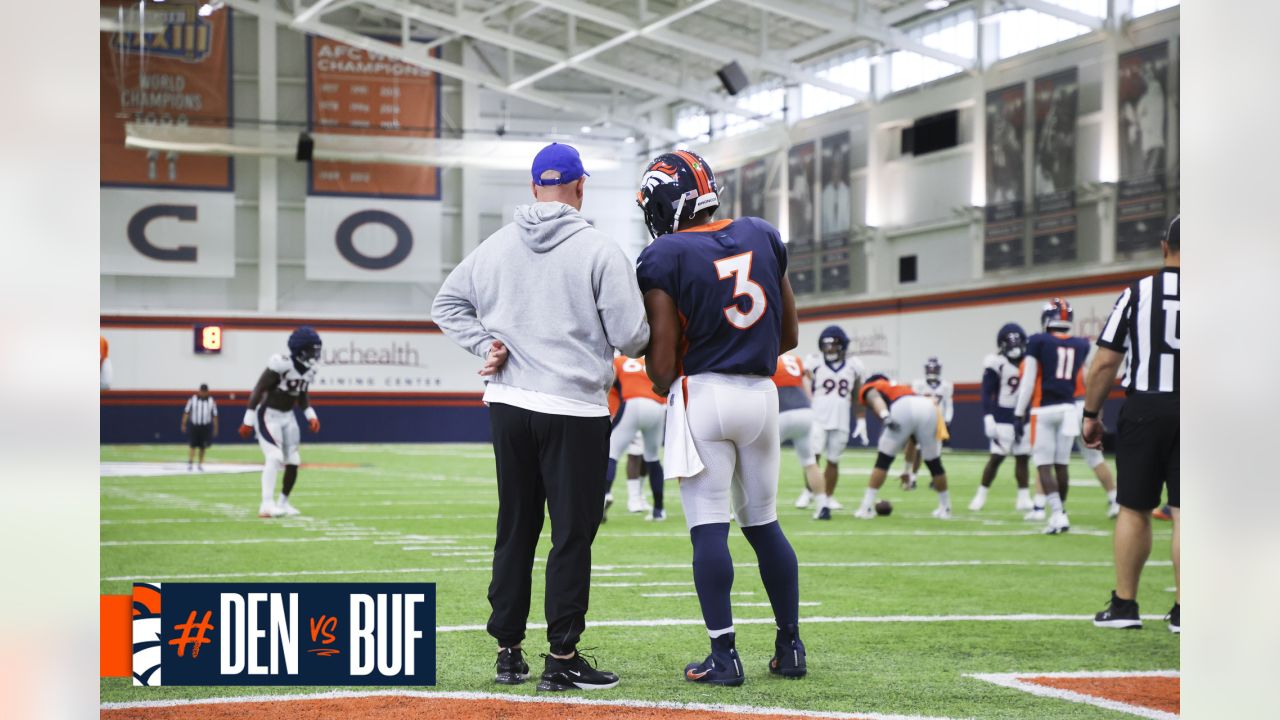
pixel 356 92
pixel 115 644
pixel 181 75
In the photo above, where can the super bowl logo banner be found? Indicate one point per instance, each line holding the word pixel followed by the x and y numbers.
pixel 284 634
pixel 1053 230
pixel 1004 232
pixel 1141 212
pixel 165 213
pixel 371 221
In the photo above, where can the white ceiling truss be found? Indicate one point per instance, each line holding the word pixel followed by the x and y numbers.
pixel 642 55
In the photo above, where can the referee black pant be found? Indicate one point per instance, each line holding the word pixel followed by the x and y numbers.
pixel 559 461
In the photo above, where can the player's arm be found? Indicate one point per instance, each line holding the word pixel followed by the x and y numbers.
pixel 664 337
pixel 1026 387
pixel 214 407
pixel 182 427
pixel 304 402
pixel 790 320
pixel 948 404
pixel 267 382
pixel 876 403
pixel 990 398
pixel 1102 375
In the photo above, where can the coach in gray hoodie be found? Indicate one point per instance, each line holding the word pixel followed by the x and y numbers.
pixel 545 301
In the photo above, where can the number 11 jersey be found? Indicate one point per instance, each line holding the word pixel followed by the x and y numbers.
pixel 1059 360
pixel 726 280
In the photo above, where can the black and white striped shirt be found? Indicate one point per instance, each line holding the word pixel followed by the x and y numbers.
pixel 1144 324
pixel 201 411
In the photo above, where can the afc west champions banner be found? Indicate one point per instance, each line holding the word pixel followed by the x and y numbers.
pixel 837 212
pixel 164 213
pixel 801 220
pixel 371 221
pixel 1006 116
pixel 1141 212
pixel 1053 229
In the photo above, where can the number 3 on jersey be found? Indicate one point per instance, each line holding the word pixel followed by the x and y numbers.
pixel 739 268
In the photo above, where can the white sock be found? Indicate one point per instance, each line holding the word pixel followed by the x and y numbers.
pixel 1040 498
pixel 1055 502
pixel 283 498
pixel 982 493
pixel 1023 494
pixel 911 476
pixel 1111 496
pixel 944 499
pixel 633 488
pixel 268 481
pixel 822 500
pixel 869 499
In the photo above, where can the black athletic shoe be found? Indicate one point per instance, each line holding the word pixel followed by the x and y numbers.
pixel 720 668
pixel 576 673
pixel 788 654
pixel 1121 614
pixel 1175 622
pixel 511 667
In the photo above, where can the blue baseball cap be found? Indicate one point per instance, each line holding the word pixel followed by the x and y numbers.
pixel 557 164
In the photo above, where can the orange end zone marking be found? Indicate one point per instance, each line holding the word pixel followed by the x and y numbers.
pixel 1154 694
pixel 115 644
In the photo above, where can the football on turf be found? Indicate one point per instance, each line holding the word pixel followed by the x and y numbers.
pixel 884 508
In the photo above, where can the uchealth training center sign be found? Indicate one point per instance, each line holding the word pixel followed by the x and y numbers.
pixel 371 221
pixel 277 634
pixel 166 213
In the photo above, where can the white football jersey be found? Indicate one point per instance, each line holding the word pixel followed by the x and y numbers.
pixel 1008 375
pixel 833 389
pixel 292 382
pixel 941 394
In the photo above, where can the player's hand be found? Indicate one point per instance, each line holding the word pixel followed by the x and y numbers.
pixel 989 426
pixel 860 430
pixel 246 431
pixel 891 424
pixel 314 424
pixel 1019 425
pixel 496 359
pixel 1091 433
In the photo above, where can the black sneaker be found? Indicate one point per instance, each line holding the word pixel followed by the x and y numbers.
pixel 1175 624
pixel 511 667
pixel 1121 614
pixel 720 668
pixel 576 673
pixel 788 654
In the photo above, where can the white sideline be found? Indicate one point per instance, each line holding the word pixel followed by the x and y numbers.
pixel 344 694
pixel 845 620
pixel 1016 682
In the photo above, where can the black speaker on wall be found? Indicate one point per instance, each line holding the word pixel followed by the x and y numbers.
pixel 932 133
pixel 733 77
pixel 306 146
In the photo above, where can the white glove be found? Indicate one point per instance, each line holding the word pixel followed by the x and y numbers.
pixel 250 418
pixel 860 430
pixel 989 426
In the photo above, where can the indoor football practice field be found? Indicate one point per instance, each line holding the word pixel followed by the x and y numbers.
pixel 979 616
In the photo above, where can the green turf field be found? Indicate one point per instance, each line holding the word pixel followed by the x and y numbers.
pixel 426 513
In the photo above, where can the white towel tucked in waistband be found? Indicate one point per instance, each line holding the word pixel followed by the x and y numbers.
pixel 680 458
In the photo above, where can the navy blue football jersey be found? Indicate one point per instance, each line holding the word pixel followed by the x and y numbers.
pixel 726 280
pixel 1059 359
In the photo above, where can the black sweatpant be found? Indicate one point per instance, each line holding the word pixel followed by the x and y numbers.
pixel 559 461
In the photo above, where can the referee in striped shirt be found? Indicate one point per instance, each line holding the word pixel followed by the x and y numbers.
pixel 202 412
pixel 1144 327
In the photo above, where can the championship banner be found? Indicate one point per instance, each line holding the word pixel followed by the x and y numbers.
pixel 802 272
pixel 371 221
pixel 800 191
pixel 225 634
pixel 836 267
pixel 1003 244
pixel 1141 212
pixel 837 198
pixel 178 75
pixel 727 181
pixel 753 189
pixel 1053 229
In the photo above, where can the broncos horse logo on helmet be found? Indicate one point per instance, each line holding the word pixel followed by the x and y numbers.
pixel 675 187
pixel 1057 315
pixel 304 347
pixel 1012 341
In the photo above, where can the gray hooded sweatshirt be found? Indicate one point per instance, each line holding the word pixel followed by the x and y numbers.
pixel 557 292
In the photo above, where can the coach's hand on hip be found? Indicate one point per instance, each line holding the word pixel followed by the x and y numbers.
pixel 496 358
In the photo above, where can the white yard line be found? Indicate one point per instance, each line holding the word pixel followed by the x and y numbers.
pixel 685 594
pixel 1018 681
pixel 589 702
pixel 842 620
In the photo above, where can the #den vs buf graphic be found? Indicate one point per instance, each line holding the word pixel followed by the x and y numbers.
pixel 284 634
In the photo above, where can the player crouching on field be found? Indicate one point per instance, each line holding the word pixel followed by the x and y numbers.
pixel 905 415
pixel 720 312
pixel 281 387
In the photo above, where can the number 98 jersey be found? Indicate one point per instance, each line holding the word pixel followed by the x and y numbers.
pixel 833 387
pixel 292 383
pixel 726 280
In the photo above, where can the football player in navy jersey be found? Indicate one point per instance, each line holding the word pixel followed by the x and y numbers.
pixel 1001 373
pixel 1050 375
pixel 720 313
pixel 281 387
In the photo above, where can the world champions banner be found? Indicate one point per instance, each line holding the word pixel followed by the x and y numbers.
pixel 1053 230
pixel 371 221
pixel 165 213
pixel 1006 116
